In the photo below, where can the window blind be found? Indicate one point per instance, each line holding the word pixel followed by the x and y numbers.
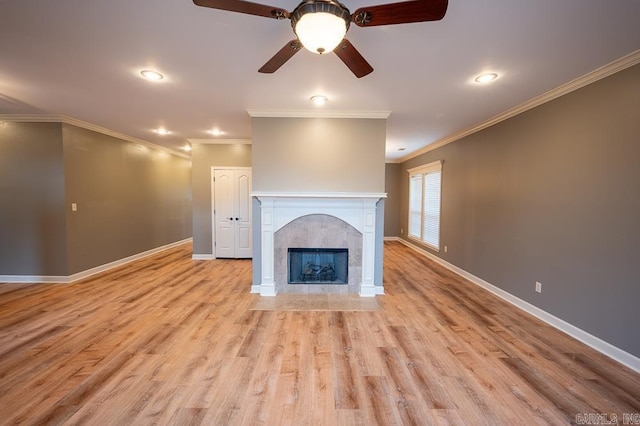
pixel 424 203
pixel 431 209
pixel 415 206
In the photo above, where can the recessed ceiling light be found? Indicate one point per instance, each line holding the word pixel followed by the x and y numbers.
pixel 319 100
pixel 151 75
pixel 162 131
pixel 485 78
pixel 215 132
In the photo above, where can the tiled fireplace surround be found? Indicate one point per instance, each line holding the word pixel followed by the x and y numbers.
pixel 335 220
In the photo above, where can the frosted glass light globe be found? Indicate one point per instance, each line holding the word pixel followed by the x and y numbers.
pixel 320 32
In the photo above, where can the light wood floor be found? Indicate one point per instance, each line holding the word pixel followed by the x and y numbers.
pixel 169 340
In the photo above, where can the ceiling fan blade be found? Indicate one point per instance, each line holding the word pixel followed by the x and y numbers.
pixel 352 58
pixel 247 7
pixel 400 13
pixel 283 55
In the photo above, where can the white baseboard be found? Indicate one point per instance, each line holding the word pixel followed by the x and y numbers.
pixel 267 290
pixel 41 279
pixel 391 238
pixel 203 257
pixel 89 272
pixel 596 343
pixel 368 291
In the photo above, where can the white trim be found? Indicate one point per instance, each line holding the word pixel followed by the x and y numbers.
pixel 598 74
pixel 30 279
pixel 277 211
pixel 111 265
pixel 219 141
pixel 378 195
pixel 89 272
pixel 267 289
pixel 203 257
pixel 213 203
pixel 212 181
pixel 20 118
pixel 371 291
pixel 367 291
pixel 594 342
pixel 434 166
pixel 391 238
pixel 285 113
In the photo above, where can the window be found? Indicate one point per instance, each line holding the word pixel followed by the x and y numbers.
pixel 424 203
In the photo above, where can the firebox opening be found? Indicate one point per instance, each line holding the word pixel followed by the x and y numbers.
pixel 318 266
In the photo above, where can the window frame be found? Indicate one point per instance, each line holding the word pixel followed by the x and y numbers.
pixel 422 171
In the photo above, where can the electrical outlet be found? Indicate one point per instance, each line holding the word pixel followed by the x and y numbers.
pixel 402 230
pixel 445 249
pixel 538 287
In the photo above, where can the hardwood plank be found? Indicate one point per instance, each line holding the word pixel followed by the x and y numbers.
pixel 380 405
pixel 407 399
pixel 170 340
pixel 345 386
pixel 263 385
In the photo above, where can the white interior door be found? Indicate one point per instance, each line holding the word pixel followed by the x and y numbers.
pixel 232 213
pixel 242 180
pixel 223 213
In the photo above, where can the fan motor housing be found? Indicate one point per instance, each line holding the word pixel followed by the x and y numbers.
pixel 317 6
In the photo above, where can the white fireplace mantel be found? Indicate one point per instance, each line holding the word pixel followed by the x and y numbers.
pixel 356 209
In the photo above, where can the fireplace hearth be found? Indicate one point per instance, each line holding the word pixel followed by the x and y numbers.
pixel 318 266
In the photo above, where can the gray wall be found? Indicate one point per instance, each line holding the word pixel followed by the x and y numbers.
pixel 32 217
pixel 203 157
pixel 553 195
pixel 318 154
pixel 392 203
pixel 130 199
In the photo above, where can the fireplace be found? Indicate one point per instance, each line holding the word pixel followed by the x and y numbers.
pixel 328 235
pixel 318 266
pixel 343 221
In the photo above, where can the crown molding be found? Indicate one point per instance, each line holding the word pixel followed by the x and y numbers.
pixel 285 113
pixel 598 74
pixel 272 194
pixel 206 141
pixel 36 118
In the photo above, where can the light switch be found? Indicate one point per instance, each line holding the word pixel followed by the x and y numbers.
pixel 74 207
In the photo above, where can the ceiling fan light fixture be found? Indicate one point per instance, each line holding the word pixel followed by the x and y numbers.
pixel 320 25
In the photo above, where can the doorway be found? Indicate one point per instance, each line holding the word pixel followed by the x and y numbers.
pixel 232 212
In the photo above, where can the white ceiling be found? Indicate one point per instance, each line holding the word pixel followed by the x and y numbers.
pixel 81 59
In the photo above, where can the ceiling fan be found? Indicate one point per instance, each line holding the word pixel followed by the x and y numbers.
pixel 320 25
